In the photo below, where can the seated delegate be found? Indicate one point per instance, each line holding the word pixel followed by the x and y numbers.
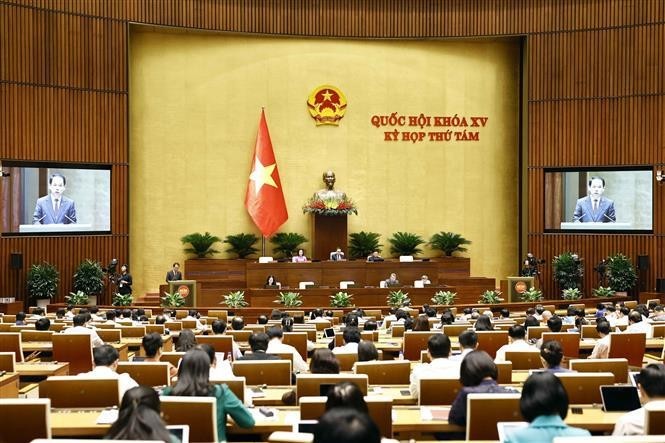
pixel 300 258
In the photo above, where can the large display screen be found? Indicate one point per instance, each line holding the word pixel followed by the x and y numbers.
pixel 599 199
pixel 40 198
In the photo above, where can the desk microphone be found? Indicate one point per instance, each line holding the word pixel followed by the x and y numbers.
pixel 70 219
pixel 577 219
pixel 38 221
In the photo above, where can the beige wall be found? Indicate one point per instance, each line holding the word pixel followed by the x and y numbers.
pixel 195 101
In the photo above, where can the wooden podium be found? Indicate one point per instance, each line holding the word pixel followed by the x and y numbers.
pixel 329 232
pixel 186 288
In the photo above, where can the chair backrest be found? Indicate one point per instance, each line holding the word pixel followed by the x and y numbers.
pixel 181 313
pixel 414 342
pixel 242 335
pixel 221 343
pixel 629 345
pixel 491 341
pixel 133 331
pixel 308 385
pixel 269 372
pixel 9 318
pixel 376 313
pixel 32 335
pixel 24 419
pixel 534 332
pixel 75 349
pixel 577 306
pixel 455 330
pixel 570 342
pixel 236 385
pixel 11 342
pixel 172 357
pixel 199 413
pixel 584 387
pixel 630 304
pixel 397 329
pixel 110 335
pixel 505 372
pixel 617 366
pixel 7 362
pixel 173 325
pixel 154 328
pixel 147 373
pixel 222 315
pixel 438 391
pixel 524 359
pixel 369 335
pixel 658 330
pixel 70 391
pixel 654 418
pixel 380 410
pixel 346 360
pixel 483 411
pixel 57 327
pixel 188 324
pixel 589 331
pixel 298 340
pixel 385 372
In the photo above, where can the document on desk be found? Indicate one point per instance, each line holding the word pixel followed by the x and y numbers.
pixel 107 417
pixel 429 413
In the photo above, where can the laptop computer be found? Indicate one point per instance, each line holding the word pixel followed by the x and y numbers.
pixel 505 428
pixel 305 426
pixel 328 332
pixel 619 398
pixel 634 377
pixel 179 431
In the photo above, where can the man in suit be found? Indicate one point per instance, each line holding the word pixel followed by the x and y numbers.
pixel 337 255
pixel 55 207
pixel 174 274
pixel 259 344
pixel 595 207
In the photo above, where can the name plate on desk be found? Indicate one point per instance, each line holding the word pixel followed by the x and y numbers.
pixel 55 227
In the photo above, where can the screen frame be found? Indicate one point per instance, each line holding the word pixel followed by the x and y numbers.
pixel 8 163
pixel 599 231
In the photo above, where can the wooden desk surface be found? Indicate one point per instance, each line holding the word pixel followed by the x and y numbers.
pixel 42 369
pixel 9 385
pixel 47 346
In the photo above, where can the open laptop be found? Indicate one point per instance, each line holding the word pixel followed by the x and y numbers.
pixel 505 428
pixel 620 398
pixel 634 377
pixel 179 431
pixel 305 426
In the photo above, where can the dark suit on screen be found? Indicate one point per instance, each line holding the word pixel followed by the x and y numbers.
pixel 604 214
pixel 45 214
pixel 171 275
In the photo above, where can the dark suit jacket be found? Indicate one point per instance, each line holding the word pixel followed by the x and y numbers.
pixel 45 215
pixel 604 214
pixel 170 276
pixel 125 284
pixel 259 355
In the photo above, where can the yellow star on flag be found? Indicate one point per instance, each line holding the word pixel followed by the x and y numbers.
pixel 262 175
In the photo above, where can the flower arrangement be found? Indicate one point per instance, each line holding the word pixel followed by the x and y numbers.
pixel 330 206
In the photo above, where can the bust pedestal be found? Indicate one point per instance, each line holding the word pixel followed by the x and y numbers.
pixel 328 233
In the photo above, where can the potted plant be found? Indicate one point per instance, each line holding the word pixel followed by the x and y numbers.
pixel 398 299
pixel 448 243
pixel 172 300
pixel 287 243
pixel 621 275
pixel 405 243
pixel 42 282
pixel 77 298
pixel 604 292
pixel 235 300
pixel 201 244
pixel 121 299
pixel 532 294
pixel 362 244
pixel 241 244
pixel 571 294
pixel 89 279
pixel 444 297
pixel 289 299
pixel 341 299
pixel 490 297
pixel 568 270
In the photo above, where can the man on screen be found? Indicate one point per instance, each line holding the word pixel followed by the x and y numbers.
pixel 55 207
pixel 595 207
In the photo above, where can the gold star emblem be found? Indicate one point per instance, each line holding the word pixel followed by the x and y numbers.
pixel 327 95
pixel 262 175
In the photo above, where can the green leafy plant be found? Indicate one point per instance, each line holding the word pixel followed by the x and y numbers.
pixel 604 292
pixel 89 278
pixel 172 300
pixel 77 298
pixel 444 297
pixel 287 243
pixel 448 242
pixel 242 244
pixel 42 280
pixel 621 275
pixel 568 270
pixel 201 244
pixel 121 299
pixel 405 243
pixel 289 299
pixel 397 299
pixel 341 299
pixel 490 297
pixel 532 294
pixel 235 300
pixel 362 244
pixel 571 294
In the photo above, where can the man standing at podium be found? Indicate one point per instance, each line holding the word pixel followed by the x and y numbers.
pixel 595 207
pixel 174 273
pixel 55 208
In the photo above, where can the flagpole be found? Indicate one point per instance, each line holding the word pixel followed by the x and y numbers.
pixel 263 246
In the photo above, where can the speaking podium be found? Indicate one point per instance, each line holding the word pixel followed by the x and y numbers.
pixel 54 227
pixel 517 285
pixel 186 288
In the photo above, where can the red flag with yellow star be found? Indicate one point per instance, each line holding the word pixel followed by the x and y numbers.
pixel 264 199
